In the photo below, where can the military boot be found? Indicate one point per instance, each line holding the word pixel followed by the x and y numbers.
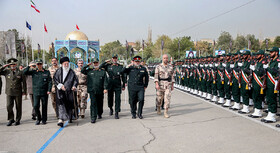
pixel 158 111
pixel 166 113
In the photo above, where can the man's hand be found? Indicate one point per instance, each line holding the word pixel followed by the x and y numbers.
pixel 6 65
pixel 145 88
pixel 105 91
pixel 108 61
pixel 89 64
pixel 23 94
pixel 172 87
pixel 157 86
pixel 48 92
pixel 63 88
pixel 74 88
pixel 123 88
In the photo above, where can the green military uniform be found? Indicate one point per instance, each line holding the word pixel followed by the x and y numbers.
pixel 116 81
pixel 97 82
pixel 42 84
pixel 208 79
pixel 203 79
pixel 271 95
pixel 235 82
pixel 15 87
pixel 220 82
pixel 257 84
pixel 245 72
pixel 138 80
pixel 214 88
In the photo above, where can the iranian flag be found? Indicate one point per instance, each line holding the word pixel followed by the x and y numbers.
pixel 34 6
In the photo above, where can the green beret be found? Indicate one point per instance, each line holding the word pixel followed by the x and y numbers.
pixel 260 52
pixel 95 60
pixel 246 52
pixel 115 55
pixel 273 49
pixel 39 61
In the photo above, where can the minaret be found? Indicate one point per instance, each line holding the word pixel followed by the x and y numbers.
pixel 150 35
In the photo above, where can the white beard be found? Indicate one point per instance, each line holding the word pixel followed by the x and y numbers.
pixel 65 72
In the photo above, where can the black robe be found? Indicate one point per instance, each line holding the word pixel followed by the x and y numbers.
pixel 66 100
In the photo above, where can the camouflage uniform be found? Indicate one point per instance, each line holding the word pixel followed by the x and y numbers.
pixel 82 91
pixel 53 94
pixel 164 76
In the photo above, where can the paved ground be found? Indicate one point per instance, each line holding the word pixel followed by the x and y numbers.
pixel 195 125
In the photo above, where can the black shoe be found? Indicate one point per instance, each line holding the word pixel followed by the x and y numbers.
pixel 116 115
pixel 70 121
pixel 263 120
pixel 17 123
pixel 44 122
pixel 93 121
pixel 33 117
pixel 240 112
pixel 10 123
pixel 37 122
pixel 266 111
pixel 60 124
pixel 156 109
pixel 140 116
pixel 133 116
pixel 277 125
pixel 99 117
pixel 111 111
pixel 82 116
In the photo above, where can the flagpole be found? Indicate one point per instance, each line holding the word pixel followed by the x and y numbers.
pixel 31 35
pixel 43 45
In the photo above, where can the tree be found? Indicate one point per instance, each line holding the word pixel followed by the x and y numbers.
pixel 203 48
pixel 268 45
pixel 157 46
pixel 277 42
pixel 110 48
pixel 224 41
pixel 255 45
pixel 185 44
pixel 138 45
pixel 239 43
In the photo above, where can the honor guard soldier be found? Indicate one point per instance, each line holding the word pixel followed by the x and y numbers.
pixel 271 92
pixel 42 84
pixel 228 80
pixel 164 80
pixel 97 85
pixel 15 88
pixel 116 83
pixel 258 84
pixel 245 73
pixel 82 94
pixel 137 84
pixel 236 81
pixel 221 79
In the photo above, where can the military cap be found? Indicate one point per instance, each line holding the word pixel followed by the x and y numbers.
pixel 64 59
pixel 12 61
pixel 260 52
pixel 95 60
pixel 246 52
pixel 229 54
pixel 137 58
pixel 115 55
pixel 273 49
pixel 32 63
pixel 39 61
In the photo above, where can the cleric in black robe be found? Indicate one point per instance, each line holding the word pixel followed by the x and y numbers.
pixel 66 82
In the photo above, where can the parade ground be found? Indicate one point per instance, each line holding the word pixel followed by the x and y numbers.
pixel 195 125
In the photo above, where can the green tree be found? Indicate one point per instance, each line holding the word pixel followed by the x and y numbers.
pixel 185 44
pixel 269 44
pixel 239 43
pixel 157 46
pixel 277 42
pixel 110 48
pixel 255 45
pixel 224 41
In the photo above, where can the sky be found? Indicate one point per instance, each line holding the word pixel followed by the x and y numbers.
pixel 110 20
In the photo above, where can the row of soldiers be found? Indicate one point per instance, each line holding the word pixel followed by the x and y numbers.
pixel 247 79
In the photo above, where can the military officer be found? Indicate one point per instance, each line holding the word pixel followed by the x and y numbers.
pixel 228 80
pixel 116 83
pixel 15 88
pixel 137 84
pixel 82 94
pixel 164 80
pixel 257 82
pixel 236 81
pixel 221 79
pixel 42 84
pixel 245 73
pixel 52 70
pixel 271 93
pixel 214 72
pixel 97 86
